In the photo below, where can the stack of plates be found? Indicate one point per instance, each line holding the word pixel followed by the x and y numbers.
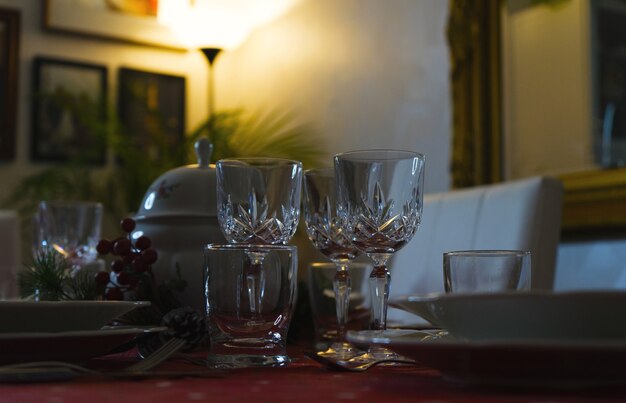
pixel 536 338
pixel 65 330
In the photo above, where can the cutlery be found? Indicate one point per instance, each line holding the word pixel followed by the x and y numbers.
pixel 355 366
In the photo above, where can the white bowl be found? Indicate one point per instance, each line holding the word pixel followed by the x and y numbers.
pixel 535 315
pixel 61 316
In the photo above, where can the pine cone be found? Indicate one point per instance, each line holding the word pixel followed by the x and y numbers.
pixel 185 323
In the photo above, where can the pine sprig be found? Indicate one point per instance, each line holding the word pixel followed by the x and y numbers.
pixel 47 278
pixel 83 287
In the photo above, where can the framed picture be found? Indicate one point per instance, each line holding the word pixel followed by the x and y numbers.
pixel 151 109
pixel 132 21
pixel 69 118
pixel 9 50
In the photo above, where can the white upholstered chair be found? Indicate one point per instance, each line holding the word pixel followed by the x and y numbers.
pixel 521 215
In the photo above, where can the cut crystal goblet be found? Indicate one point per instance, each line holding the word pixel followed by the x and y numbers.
pixel 379 203
pixel 328 237
pixel 258 202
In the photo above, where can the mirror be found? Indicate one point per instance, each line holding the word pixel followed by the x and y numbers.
pixel 564 83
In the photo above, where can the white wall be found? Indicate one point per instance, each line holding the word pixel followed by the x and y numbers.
pixel 366 73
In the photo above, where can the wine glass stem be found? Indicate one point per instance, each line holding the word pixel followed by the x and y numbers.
pixel 342 285
pixel 255 282
pixel 379 290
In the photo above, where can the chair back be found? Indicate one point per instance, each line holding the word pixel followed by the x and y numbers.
pixel 520 215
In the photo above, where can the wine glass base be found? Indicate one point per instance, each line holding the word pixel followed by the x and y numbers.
pixel 340 350
pixel 376 352
pixel 232 361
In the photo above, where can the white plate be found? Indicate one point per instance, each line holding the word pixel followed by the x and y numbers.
pixel 61 316
pixel 581 315
pixel 569 364
pixel 66 346
pixel 417 305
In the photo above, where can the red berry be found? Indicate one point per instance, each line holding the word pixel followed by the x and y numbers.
pixel 121 247
pixel 114 294
pixel 128 259
pixel 117 266
pixel 149 256
pixel 143 242
pixel 139 265
pixel 113 252
pixel 128 225
pixel 102 278
pixel 104 246
pixel 123 278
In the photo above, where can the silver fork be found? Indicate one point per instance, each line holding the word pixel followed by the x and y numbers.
pixel 60 370
pixel 164 352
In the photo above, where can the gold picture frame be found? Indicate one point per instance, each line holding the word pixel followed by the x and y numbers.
pixel 100 19
pixel 594 202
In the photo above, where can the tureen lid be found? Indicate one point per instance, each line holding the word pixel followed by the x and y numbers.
pixel 187 191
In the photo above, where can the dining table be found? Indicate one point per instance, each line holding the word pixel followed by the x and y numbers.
pixel 302 380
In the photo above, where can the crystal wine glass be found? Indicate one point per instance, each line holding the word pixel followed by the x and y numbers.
pixel 258 202
pixel 379 203
pixel 328 237
pixel 70 228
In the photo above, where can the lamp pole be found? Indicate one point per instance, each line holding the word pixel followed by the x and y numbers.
pixel 211 55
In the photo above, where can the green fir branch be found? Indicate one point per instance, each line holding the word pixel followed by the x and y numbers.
pixel 46 278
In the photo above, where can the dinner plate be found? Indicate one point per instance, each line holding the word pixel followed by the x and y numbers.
pixel 61 316
pixel 535 315
pixel 569 364
pixel 67 346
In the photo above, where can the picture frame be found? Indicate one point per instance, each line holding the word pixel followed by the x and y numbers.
pixel 69 119
pixel 151 109
pixel 110 20
pixel 9 54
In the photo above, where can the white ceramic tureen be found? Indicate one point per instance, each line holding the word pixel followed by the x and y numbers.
pixel 179 214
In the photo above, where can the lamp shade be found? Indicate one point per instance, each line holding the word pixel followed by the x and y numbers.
pixel 222 24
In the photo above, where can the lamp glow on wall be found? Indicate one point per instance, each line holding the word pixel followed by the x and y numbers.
pixel 216 25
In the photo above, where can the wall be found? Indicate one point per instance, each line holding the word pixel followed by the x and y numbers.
pixel 366 73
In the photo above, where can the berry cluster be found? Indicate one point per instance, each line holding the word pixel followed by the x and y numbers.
pixel 131 265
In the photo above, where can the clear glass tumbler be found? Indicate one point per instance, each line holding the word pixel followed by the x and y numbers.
pixel 486 271
pixel 242 333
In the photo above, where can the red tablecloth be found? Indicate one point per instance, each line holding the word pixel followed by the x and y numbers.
pixel 302 381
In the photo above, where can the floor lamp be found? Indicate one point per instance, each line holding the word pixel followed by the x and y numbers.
pixel 211 55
